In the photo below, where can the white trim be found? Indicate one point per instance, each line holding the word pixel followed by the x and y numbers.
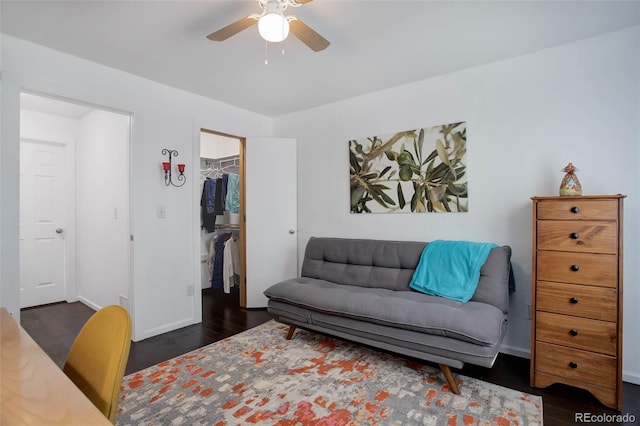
pixel 89 303
pixel 631 377
pixel 515 351
pixel 165 328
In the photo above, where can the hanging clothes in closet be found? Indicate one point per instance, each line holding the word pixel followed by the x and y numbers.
pixel 219 195
pixel 217 280
pixel 208 204
pixel 224 261
pixel 232 199
pixel 230 264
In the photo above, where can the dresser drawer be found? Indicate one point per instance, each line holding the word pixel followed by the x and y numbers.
pixel 576 364
pixel 578 209
pixel 575 332
pixel 584 236
pixel 577 300
pixel 580 268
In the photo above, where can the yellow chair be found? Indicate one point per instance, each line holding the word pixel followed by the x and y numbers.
pixel 98 357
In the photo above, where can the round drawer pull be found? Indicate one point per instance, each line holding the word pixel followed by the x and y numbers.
pixel 573 300
pixel 573 365
pixel 575 268
pixel 573 332
pixel 574 235
pixel 575 209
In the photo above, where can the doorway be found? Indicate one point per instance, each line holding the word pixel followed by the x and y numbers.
pixel 268 214
pixel 221 230
pixel 74 203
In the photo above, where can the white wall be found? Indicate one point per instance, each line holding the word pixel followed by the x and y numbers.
pixel 102 205
pixel 165 252
pixel 526 119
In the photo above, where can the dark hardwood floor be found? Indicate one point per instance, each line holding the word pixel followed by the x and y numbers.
pixel 55 326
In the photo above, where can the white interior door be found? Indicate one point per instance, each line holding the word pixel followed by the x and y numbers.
pixel 271 215
pixel 42 223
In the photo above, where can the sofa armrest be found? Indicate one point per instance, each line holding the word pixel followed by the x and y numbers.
pixel 493 286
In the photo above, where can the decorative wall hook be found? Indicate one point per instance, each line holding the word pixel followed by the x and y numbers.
pixel 166 166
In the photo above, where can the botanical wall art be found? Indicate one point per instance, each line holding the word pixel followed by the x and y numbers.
pixel 412 171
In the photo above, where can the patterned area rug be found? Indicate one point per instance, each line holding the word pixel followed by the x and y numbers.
pixel 259 377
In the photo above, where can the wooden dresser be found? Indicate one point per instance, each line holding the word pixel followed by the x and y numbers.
pixel 576 327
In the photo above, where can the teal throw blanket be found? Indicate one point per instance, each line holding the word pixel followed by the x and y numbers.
pixel 450 269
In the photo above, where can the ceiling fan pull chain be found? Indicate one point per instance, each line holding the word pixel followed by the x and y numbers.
pixel 266 52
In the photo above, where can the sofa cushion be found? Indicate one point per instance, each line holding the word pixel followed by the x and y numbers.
pixel 359 262
pixel 390 265
pixel 474 322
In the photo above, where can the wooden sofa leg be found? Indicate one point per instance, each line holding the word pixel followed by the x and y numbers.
pixel 292 329
pixel 450 380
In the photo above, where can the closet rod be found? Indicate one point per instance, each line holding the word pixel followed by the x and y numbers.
pixel 226 226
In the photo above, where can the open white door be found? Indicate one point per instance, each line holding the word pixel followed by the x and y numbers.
pixel 271 215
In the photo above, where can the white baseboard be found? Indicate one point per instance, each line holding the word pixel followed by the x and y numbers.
pixel 631 377
pixel 124 301
pixel 150 332
pixel 515 351
pixel 89 303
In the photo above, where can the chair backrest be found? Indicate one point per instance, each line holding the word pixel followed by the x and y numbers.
pixel 98 357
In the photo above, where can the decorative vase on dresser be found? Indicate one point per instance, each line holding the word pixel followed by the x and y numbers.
pixel 576 324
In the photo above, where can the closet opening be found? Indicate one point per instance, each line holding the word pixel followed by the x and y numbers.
pixel 222 232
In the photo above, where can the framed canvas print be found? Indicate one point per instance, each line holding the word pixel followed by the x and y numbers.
pixel 415 171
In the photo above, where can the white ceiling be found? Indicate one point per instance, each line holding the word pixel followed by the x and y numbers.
pixel 374 44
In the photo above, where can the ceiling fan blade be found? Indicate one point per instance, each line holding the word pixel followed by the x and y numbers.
pixel 308 36
pixel 232 29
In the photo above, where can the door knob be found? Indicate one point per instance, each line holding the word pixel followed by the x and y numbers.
pixel 59 230
pixel 292 231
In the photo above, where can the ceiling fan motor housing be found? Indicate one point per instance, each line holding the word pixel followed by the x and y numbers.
pixel 273 26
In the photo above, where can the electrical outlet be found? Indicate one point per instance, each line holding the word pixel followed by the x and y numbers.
pixel 189 290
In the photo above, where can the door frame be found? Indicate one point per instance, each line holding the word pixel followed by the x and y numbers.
pixel 72 288
pixel 197 218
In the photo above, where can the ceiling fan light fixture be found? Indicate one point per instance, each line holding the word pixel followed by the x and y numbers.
pixel 273 27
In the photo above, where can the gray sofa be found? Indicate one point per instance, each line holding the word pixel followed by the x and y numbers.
pixel 359 290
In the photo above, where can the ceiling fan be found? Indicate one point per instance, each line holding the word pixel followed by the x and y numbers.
pixel 274 26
